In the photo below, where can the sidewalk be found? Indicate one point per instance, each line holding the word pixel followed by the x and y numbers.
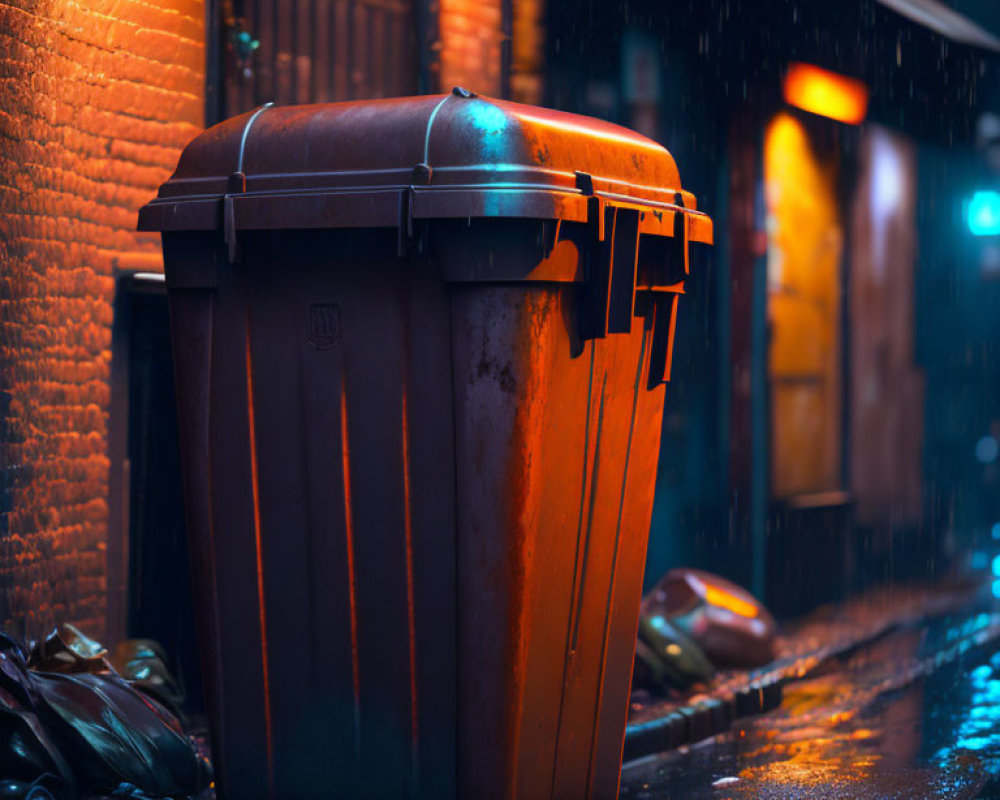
pixel 807 644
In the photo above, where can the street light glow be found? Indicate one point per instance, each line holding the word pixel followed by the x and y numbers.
pixel 984 214
pixel 826 93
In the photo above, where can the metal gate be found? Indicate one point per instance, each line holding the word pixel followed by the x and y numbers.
pixel 311 51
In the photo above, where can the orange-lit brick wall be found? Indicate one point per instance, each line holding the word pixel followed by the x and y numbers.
pixel 471 33
pixel 527 51
pixel 97 97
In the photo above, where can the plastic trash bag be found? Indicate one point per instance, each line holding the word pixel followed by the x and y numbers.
pixel 728 623
pixel 67 717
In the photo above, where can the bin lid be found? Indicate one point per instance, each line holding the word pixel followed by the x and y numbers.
pixel 371 163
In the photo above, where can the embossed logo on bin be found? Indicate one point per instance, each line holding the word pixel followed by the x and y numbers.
pixel 324 326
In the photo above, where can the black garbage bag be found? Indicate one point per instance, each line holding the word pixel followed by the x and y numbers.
pixel 28 753
pixel 112 734
pixel 66 649
pixel 48 787
pixel 71 716
pixel 728 623
pixel 666 658
pixel 143 663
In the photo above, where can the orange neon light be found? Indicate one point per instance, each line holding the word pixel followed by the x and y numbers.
pixel 720 597
pixel 826 93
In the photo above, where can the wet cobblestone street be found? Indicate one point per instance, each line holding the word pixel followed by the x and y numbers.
pixel 912 716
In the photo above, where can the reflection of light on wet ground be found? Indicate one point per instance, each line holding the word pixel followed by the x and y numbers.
pixel 857 732
pixel 978 730
pixel 812 743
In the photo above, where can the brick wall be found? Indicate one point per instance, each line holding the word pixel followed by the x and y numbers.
pixel 470 34
pixel 97 97
pixel 527 51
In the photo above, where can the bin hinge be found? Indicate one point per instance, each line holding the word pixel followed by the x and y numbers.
pixel 661 306
pixel 404 233
pixel 229 227
pixel 680 238
pixel 608 296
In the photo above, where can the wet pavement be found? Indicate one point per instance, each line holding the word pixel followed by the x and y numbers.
pixel 914 715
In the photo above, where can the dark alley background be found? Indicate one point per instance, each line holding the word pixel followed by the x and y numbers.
pixel 833 419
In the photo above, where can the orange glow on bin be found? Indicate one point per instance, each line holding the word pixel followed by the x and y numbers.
pixel 826 93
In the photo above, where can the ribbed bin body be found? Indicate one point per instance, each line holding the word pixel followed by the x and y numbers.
pixel 418 489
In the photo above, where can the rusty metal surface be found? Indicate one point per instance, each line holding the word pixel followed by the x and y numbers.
pixel 384 162
pixel 419 446
pixel 305 551
pixel 556 459
pixel 318 438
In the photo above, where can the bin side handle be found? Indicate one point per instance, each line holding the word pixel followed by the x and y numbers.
pixel 662 305
pixel 608 299
pixel 607 302
pixel 622 278
pixel 593 302
pixel 661 351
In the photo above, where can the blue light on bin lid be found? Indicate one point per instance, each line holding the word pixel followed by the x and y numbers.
pixel 984 213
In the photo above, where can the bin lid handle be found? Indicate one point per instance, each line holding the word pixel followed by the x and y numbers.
pixel 423 169
pixel 430 122
pixel 246 131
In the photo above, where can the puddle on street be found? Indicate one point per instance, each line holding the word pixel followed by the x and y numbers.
pixel 842 734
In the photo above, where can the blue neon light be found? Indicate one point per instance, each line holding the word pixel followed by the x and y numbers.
pixel 984 214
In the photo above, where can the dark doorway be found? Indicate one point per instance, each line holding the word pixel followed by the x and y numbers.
pixel 152 598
